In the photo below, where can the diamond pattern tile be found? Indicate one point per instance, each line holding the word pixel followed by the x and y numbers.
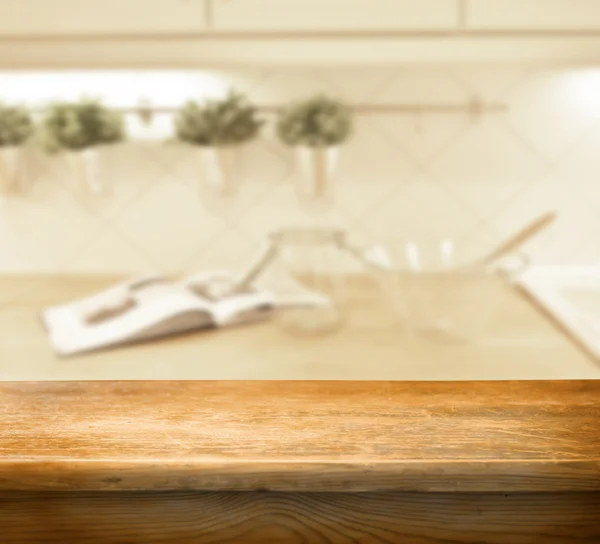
pixel 587 252
pixel 366 174
pixel 280 208
pixel 282 86
pixel 422 210
pixel 477 242
pixel 358 86
pixel 580 169
pixel 493 81
pixel 549 109
pixel 170 223
pixel 422 85
pixel 575 220
pixel 45 232
pixel 230 250
pixel 112 252
pixel 125 171
pixel 422 137
pixel 261 166
pixel 421 174
pixel 486 177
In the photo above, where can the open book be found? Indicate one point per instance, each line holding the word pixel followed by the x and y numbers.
pixel 154 307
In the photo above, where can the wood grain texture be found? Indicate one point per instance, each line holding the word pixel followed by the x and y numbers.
pixel 315 518
pixel 301 436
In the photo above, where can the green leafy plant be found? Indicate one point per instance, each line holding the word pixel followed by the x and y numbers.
pixel 320 121
pixel 79 125
pixel 16 125
pixel 231 121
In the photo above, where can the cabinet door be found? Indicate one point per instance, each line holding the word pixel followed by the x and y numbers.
pixel 332 15
pixel 533 14
pixel 96 17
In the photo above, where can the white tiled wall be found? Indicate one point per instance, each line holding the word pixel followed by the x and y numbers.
pixel 444 174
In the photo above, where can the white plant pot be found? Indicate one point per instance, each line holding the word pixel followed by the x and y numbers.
pixel 10 169
pixel 85 166
pixel 219 176
pixel 316 172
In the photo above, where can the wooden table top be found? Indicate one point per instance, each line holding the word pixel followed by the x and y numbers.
pixel 317 436
pixel 300 434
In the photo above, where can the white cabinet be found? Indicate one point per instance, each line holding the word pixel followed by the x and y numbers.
pixel 97 17
pixel 533 14
pixel 333 15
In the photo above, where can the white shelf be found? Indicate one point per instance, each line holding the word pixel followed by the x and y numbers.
pixel 34 18
pixel 533 14
pixel 184 52
pixel 333 15
pixel 198 33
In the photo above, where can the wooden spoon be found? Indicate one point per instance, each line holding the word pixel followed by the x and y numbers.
pixel 518 239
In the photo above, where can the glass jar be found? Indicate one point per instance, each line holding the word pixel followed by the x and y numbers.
pixel 314 265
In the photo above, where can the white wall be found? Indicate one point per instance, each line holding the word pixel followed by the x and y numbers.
pixel 403 175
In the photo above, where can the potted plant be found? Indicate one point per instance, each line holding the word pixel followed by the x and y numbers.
pixel 218 128
pixel 79 128
pixel 316 128
pixel 16 126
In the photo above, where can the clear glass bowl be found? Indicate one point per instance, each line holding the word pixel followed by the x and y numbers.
pixel 436 288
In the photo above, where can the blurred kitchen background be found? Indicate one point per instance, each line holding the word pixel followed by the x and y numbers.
pixel 473 124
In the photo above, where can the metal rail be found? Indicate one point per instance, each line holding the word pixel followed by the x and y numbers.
pixel 475 107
